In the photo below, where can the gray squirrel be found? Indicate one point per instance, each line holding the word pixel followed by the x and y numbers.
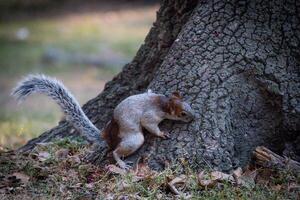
pixel 123 133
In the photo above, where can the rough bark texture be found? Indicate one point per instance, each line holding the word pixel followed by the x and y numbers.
pixel 237 62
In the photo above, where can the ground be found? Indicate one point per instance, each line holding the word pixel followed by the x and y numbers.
pixel 57 170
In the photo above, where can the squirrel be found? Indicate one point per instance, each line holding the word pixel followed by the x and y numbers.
pixel 123 133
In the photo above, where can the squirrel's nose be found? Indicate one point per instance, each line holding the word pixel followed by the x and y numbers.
pixel 193 115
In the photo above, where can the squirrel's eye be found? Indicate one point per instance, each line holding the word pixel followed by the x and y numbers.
pixel 183 114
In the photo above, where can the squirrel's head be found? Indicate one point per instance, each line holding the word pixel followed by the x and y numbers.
pixel 177 109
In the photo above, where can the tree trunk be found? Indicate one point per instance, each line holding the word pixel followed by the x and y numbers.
pixel 237 62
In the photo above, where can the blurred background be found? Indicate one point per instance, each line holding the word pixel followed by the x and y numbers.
pixel 83 43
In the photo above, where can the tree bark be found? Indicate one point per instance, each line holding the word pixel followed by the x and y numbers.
pixel 237 62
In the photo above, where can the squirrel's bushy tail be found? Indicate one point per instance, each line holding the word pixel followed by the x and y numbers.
pixel 61 95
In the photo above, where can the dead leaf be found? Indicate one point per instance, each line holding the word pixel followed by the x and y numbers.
pixel 276 188
pixel 74 160
pixel 123 185
pixel 178 180
pixel 115 169
pixel 123 197
pixel 143 171
pixel 238 172
pixel 247 179
pixel 43 156
pixel 220 176
pixel 78 185
pixel 158 196
pixel 237 175
pixel 62 154
pixel 90 185
pixel 94 175
pixel 292 187
pixel 62 188
pixel 207 183
pixel 215 177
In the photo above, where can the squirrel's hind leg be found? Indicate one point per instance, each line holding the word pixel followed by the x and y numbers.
pixel 126 147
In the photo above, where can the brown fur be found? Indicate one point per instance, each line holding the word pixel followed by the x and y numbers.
pixel 111 134
pixel 177 95
pixel 171 105
pixel 162 102
pixel 176 107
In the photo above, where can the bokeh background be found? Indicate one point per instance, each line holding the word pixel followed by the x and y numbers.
pixel 82 43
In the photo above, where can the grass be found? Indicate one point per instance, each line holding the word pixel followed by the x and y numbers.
pixel 114 35
pixel 121 31
pixel 70 177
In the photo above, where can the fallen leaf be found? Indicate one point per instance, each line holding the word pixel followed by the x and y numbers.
pixel 123 185
pixel 178 180
pixel 292 187
pixel 247 179
pixel 213 179
pixel 207 183
pixel 220 176
pixel 74 160
pixel 143 171
pixel 238 172
pixel 43 156
pixel 237 175
pixel 159 196
pixel 94 176
pixel 90 185
pixel 123 197
pixel 62 154
pixel 62 188
pixel 115 169
pixel 276 188
pixel 78 185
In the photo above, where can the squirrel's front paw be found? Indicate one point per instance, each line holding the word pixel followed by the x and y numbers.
pixel 165 135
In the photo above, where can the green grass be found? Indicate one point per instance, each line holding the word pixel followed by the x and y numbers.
pixel 88 34
pixel 17 128
pixel 56 177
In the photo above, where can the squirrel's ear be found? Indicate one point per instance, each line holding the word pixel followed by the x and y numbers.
pixel 176 94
